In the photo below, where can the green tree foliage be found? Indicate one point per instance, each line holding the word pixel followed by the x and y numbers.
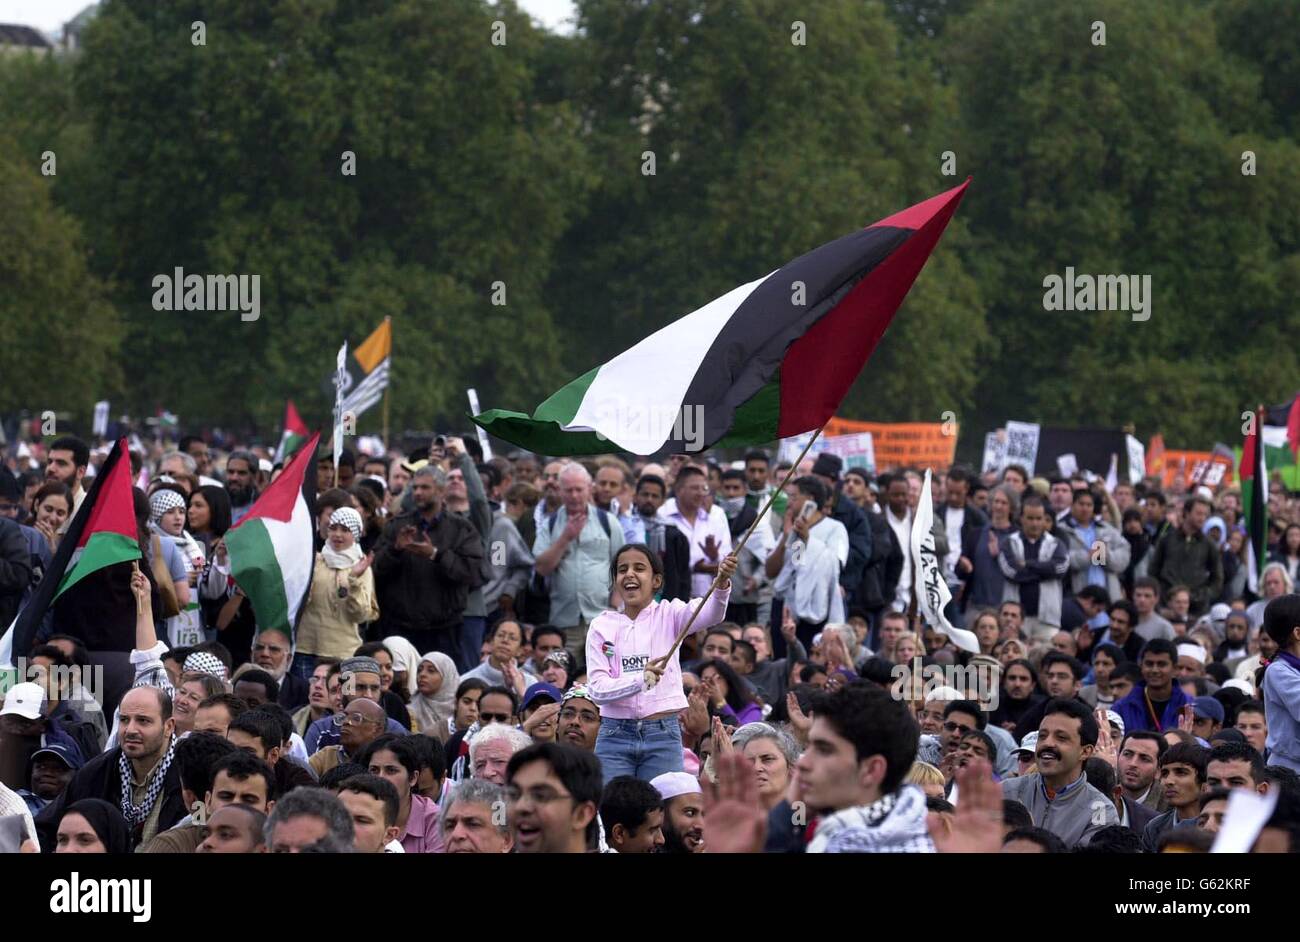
pixel 61 336
pixel 228 157
pixel 523 164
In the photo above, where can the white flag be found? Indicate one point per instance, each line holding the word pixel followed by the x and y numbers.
pixel 932 594
pixel 341 380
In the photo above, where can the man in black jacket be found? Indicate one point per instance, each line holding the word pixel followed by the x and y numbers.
pixel 146 786
pixel 15 567
pixel 425 564
pixel 885 565
pixel 827 468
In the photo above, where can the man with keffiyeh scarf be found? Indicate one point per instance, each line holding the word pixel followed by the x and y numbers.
pixel 137 777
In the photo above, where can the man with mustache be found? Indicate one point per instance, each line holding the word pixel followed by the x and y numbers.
pixel 1058 795
pixel 683 823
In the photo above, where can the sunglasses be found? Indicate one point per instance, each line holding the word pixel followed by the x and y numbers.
pixel 485 718
pixel 952 727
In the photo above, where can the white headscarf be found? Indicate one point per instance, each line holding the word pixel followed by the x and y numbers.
pixel 405 658
pixel 432 713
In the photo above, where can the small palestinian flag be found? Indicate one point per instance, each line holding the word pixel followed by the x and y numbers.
pixel 102 533
pixel 1253 474
pixel 767 360
pixel 294 434
pixel 272 548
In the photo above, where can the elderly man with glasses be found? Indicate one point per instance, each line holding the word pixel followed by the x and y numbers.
pixel 358 679
pixel 361 723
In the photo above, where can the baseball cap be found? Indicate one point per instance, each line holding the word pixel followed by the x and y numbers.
pixel 71 758
pixel 24 700
pixel 539 690
pixel 1029 743
pixel 1208 708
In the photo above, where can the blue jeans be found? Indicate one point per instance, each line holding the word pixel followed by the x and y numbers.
pixel 303 665
pixel 471 640
pixel 644 748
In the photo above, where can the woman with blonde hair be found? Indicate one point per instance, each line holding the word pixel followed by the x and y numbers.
pixel 928 777
pixel 907 646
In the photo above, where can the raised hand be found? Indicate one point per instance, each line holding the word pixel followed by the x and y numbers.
pixel 573 528
pixel 800 721
pixel 363 564
pixel 696 719
pixel 541 725
pixel 977 822
pixel 726 569
pixel 1187 718
pixel 721 738
pixel 734 820
pixel 1105 748
pixel 710 547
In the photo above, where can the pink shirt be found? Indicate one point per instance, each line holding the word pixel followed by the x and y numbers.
pixel 422 835
pixel 618 650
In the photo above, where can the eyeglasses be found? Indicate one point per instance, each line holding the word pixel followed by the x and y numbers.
pixel 541 795
pixel 569 713
pixel 485 718
pixel 351 719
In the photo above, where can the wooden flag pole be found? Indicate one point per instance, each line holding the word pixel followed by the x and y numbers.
pixel 739 546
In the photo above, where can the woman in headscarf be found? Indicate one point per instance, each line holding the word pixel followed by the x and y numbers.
pixel 342 596
pixel 168 513
pixel 209 519
pixel 92 826
pixel 434 703
pixel 406 661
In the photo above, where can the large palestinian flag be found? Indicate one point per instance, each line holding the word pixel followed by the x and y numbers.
pixel 272 548
pixel 770 359
pixel 1253 474
pixel 102 533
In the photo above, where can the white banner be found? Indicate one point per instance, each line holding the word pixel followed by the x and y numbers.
pixel 341 380
pixel 1137 460
pixel 1022 445
pixel 857 450
pixel 932 594
pixel 995 451
pixel 100 426
pixel 482 435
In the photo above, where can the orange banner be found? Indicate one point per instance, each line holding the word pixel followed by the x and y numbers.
pixel 1195 468
pixel 904 444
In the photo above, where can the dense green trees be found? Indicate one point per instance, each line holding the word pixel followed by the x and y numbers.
pixel 771 131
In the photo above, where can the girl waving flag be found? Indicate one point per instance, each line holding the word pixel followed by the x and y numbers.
pixel 634 672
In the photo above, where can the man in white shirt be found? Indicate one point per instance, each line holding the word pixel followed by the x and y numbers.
pixel 899 516
pixel 707 530
pixel 808 560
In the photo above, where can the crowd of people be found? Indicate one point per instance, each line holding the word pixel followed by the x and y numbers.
pixel 529 655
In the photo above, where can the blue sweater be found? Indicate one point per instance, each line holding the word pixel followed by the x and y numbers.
pixel 1133 709
pixel 1282 713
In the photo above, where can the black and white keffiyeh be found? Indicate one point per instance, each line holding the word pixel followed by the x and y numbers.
pixel 896 824
pixel 136 814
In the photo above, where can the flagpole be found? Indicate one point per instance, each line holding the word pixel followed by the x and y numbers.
pixel 389 322
pixel 385 421
pixel 739 546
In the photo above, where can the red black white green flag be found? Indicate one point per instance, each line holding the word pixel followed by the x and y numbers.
pixel 102 533
pixel 770 359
